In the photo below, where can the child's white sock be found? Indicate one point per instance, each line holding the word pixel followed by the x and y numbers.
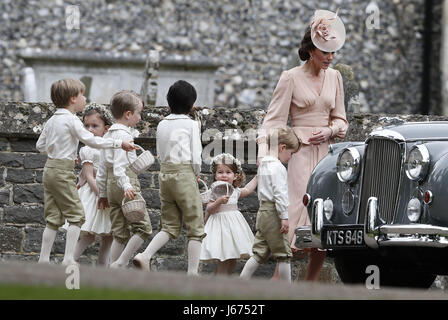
pixel 249 268
pixel 133 244
pixel 47 243
pixel 84 241
pixel 156 243
pixel 104 251
pixel 284 271
pixel 70 244
pixel 116 250
pixel 194 252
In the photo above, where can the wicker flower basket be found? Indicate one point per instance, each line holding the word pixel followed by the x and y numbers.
pixel 143 161
pixel 134 210
pixel 205 196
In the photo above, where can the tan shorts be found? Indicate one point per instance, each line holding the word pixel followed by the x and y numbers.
pixel 268 239
pixel 61 198
pixel 121 228
pixel 180 201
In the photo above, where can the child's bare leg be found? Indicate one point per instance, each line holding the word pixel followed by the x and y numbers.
pixel 222 267
pixel 47 243
pixel 104 251
pixel 85 240
pixel 231 264
pixel 315 262
pixel 70 244
pixel 276 275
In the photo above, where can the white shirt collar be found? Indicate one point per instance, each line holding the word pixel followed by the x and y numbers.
pixel 174 116
pixel 119 126
pixel 62 111
pixel 269 159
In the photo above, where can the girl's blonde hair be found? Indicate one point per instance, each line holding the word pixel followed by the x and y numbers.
pixel 232 163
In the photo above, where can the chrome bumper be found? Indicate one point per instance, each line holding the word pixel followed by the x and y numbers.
pixel 376 233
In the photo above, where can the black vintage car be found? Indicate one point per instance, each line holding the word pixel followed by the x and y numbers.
pixel 383 202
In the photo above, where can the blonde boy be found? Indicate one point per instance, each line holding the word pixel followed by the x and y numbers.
pixel 115 180
pixel 272 218
pixel 59 139
pixel 179 150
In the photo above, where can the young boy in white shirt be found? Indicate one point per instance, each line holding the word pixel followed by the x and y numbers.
pixel 272 218
pixel 179 150
pixel 116 180
pixel 59 139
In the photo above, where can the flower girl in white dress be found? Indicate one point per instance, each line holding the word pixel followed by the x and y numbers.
pixel 97 119
pixel 229 237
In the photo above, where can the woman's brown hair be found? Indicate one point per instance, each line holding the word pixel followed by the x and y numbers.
pixel 306 45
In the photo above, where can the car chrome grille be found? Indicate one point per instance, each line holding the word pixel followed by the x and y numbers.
pixel 381 178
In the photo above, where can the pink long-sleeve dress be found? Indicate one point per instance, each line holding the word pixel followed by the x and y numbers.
pixel 295 96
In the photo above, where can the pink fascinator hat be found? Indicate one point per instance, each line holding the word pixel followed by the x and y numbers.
pixel 327 31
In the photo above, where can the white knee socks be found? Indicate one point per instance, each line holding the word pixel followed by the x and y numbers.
pixel 70 244
pixel 156 243
pixel 47 243
pixel 115 250
pixel 194 252
pixel 104 251
pixel 133 244
pixel 284 271
pixel 249 268
pixel 84 241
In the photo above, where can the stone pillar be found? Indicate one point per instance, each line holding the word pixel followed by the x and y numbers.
pixel 149 87
pixel 444 58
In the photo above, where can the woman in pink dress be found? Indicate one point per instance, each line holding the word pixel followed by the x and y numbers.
pixel 312 96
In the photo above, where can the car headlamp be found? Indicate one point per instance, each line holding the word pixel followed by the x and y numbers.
pixel 348 165
pixel 417 163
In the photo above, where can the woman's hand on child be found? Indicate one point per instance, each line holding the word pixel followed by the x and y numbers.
pixel 129 145
pixel 285 226
pixel 129 194
pixel 103 203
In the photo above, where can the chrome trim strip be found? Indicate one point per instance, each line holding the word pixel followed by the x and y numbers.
pixel 371 223
pixel 419 235
pixel 414 229
pixel 441 242
pixel 387 133
pixel 427 139
pixel 317 217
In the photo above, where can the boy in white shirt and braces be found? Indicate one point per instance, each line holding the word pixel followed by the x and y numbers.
pixel 59 139
pixel 272 218
pixel 116 180
pixel 179 150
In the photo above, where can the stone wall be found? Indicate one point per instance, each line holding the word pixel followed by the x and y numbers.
pixel 253 40
pixel 21 190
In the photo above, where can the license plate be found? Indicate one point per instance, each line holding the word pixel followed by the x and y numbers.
pixel 343 236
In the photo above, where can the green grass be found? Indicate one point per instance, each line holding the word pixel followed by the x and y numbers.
pixel 32 292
